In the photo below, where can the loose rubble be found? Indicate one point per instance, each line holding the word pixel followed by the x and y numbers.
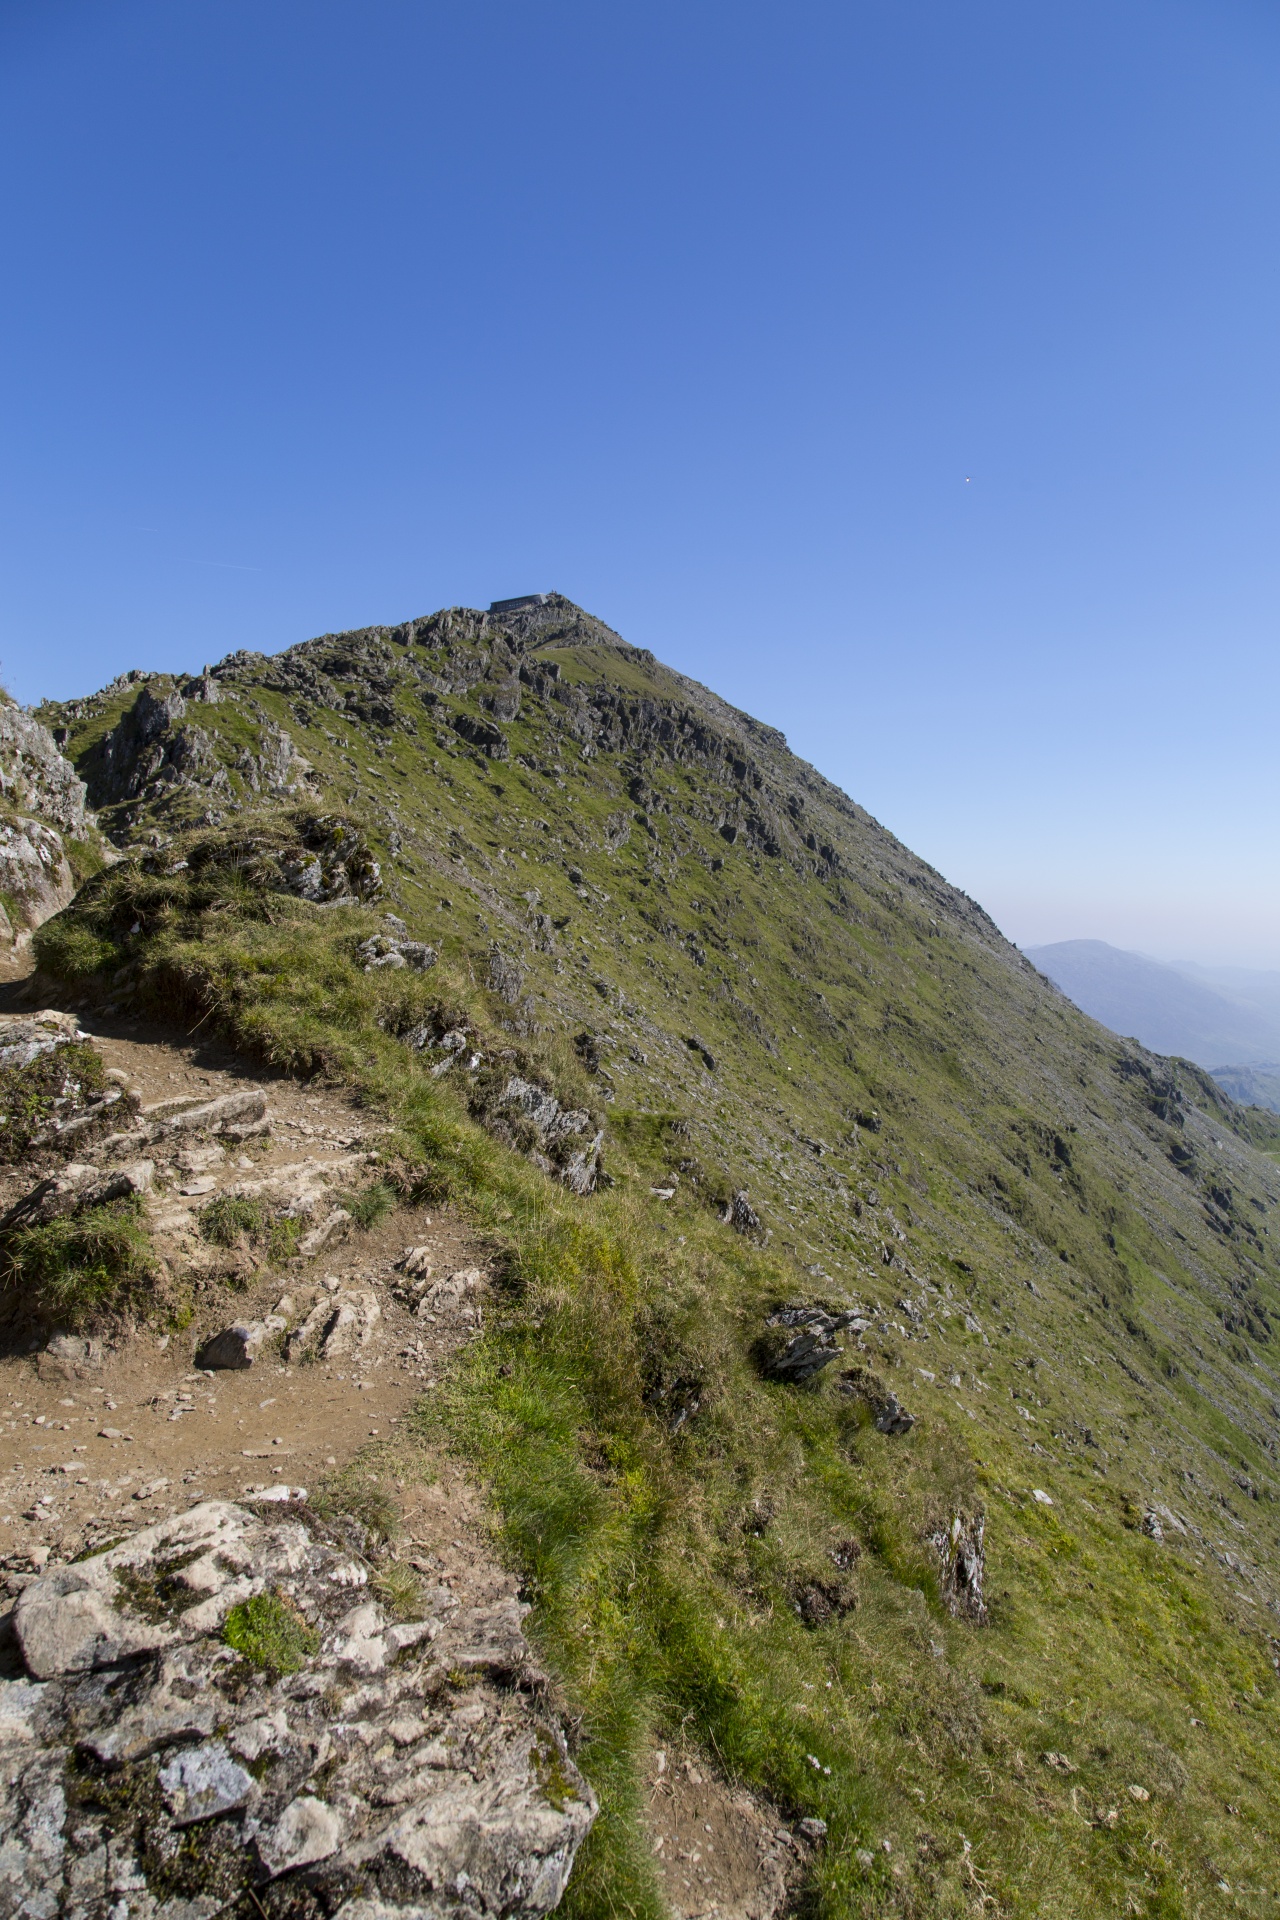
pixel 379 1766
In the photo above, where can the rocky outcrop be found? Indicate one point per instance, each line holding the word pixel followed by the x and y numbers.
pixel 26 1038
pixel 384 950
pixel 34 875
pixel 75 1189
pixel 34 777
pixel 526 1115
pixel 888 1415
pixel 961 1553
pixel 318 857
pixel 800 1341
pixel 47 802
pixel 219 1705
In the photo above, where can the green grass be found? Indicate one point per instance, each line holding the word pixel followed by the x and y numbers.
pixel 228 1219
pixel 1039 1194
pixel 369 1207
pixel 81 1271
pixel 268 1631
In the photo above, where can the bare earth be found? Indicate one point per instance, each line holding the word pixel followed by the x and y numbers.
pixel 91 1450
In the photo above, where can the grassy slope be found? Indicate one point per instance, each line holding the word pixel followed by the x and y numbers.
pixel 1069 1245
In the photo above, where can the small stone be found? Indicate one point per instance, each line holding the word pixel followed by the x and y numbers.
pixel 203 1781
pixel 1139 1794
pixel 814 1830
pixel 1042 1498
pixel 307 1830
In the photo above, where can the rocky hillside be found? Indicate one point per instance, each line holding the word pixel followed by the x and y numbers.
pixel 883 1392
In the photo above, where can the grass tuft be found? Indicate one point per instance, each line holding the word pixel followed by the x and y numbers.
pixel 78 1271
pixel 269 1632
pixel 371 1205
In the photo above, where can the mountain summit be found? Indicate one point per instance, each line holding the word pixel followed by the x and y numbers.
pixel 880 1402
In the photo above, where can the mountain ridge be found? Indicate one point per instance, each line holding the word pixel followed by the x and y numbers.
pixel 823 1082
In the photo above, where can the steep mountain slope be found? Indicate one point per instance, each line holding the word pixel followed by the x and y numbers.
pixel 797 1068
pixel 1160 1005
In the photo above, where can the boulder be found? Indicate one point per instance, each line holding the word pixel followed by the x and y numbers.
pixel 236 1347
pixel 69 1356
pixel 347 1763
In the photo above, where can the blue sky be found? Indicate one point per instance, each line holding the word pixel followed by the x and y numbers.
pixel 907 372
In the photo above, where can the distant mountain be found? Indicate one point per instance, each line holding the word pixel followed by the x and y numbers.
pixel 1166 1009
pixel 1251 1086
pixel 1246 986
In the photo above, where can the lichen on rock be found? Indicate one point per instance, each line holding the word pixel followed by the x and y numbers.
pixel 149 1764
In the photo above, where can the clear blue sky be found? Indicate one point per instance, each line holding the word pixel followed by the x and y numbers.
pixel 908 372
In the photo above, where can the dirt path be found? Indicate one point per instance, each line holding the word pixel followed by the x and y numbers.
pixel 101 1439
pixel 94 1443
pixel 719 1850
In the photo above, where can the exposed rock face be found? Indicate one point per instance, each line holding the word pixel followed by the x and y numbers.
pixel 962 1558
pixel 154 1762
pixel 33 873
pixel 34 777
pixel 48 801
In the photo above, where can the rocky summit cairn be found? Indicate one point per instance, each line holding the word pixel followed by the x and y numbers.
pixel 222 1706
